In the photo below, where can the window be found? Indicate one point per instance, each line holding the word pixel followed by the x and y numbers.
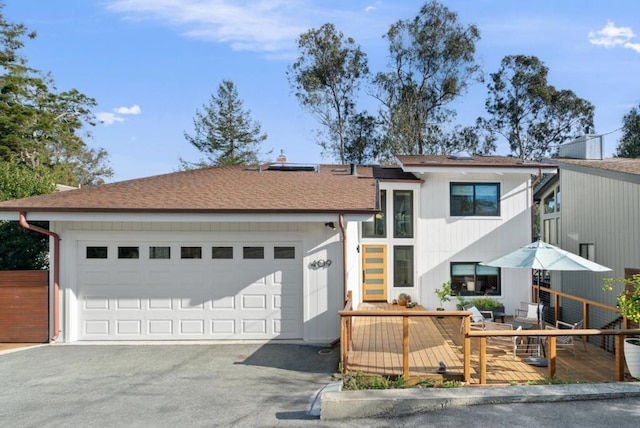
pixel 128 253
pixel 403 266
pixel 378 227
pixel 253 252
pixel 471 279
pixel 551 230
pixel 284 252
pixel 159 252
pixel 552 202
pixel 475 199
pixel 588 251
pixel 190 252
pixel 221 252
pixel 403 214
pixel 96 252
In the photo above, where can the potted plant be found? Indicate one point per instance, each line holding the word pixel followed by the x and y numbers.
pixel 462 302
pixel 628 301
pixel 403 299
pixel 444 294
pixel 486 303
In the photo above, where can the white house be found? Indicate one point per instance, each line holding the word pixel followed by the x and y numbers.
pixel 269 252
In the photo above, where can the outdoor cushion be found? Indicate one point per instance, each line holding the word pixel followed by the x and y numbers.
pixel 476 316
pixel 532 313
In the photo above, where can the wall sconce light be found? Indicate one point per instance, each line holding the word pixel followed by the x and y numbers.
pixel 330 225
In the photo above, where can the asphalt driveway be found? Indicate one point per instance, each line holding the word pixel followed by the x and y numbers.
pixel 163 385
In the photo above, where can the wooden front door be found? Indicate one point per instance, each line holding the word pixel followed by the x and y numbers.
pixel 374 273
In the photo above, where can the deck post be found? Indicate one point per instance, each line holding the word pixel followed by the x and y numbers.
pixel 405 346
pixel 483 361
pixel 619 356
pixel 551 366
pixel 343 343
pixel 466 348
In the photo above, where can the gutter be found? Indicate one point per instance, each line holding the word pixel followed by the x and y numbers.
pixel 56 270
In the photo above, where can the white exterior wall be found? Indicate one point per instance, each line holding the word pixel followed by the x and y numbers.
pixel 444 239
pixel 322 287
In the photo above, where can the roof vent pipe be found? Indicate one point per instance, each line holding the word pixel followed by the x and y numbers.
pixel 354 170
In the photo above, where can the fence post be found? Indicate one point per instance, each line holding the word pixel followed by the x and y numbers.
pixel 466 347
pixel 619 356
pixel 405 346
pixel 551 360
pixel 483 361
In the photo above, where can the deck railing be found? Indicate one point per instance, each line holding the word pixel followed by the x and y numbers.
pixel 348 314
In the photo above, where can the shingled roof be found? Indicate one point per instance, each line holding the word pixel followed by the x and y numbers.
pixel 323 189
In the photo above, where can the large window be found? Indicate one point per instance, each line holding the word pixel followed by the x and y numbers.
pixel 378 227
pixel 471 279
pixel 403 214
pixel 403 266
pixel 475 199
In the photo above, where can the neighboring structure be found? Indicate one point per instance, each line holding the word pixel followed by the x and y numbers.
pixel 591 208
pixel 269 252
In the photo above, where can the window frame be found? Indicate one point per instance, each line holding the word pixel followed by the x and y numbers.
pixel 475 199
pixel 478 290
pixel 400 217
pixel 409 269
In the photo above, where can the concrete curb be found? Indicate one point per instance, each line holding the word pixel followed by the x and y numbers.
pixel 397 402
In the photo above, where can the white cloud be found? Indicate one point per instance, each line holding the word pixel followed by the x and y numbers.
pixel 369 9
pixel 134 109
pixel 108 118
pixel 634 46
pixel 265 25
pixel 610 36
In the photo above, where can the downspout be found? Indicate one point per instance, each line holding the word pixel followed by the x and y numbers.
pixel 56 270
pixel 343 232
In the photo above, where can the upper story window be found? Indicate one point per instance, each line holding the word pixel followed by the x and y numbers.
pixel 475 199
pixel 552 202
pixel 403 214
pixel 378 227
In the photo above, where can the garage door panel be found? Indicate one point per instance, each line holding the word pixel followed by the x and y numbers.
pixel 228 302
pixel 129 327
pixel 165 299
pixel 159 326
pixel 223 327
pixel 188 327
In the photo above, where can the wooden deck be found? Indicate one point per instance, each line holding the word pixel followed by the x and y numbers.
pixel 376 348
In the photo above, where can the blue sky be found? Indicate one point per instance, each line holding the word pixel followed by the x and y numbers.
pixel 150 64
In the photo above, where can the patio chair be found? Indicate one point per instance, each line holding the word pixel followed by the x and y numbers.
pixel 566 342
pixel 530 313
pixel 514 342
pixel 478 318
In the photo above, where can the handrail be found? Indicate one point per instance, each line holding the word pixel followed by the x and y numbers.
pixel 347 314
pixel 551 335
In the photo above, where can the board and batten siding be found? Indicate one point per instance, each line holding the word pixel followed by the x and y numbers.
pixel 445 239
pixel 603 211
pixel 322 287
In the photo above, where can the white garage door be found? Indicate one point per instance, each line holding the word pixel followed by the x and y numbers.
pixel 189 291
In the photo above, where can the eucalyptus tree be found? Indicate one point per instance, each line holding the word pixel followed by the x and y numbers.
pixel 533 116
pixel 39 125
pixel 224 131
pixel 364 141
pixel 629 144
pixel 326 79
pixel 432 62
